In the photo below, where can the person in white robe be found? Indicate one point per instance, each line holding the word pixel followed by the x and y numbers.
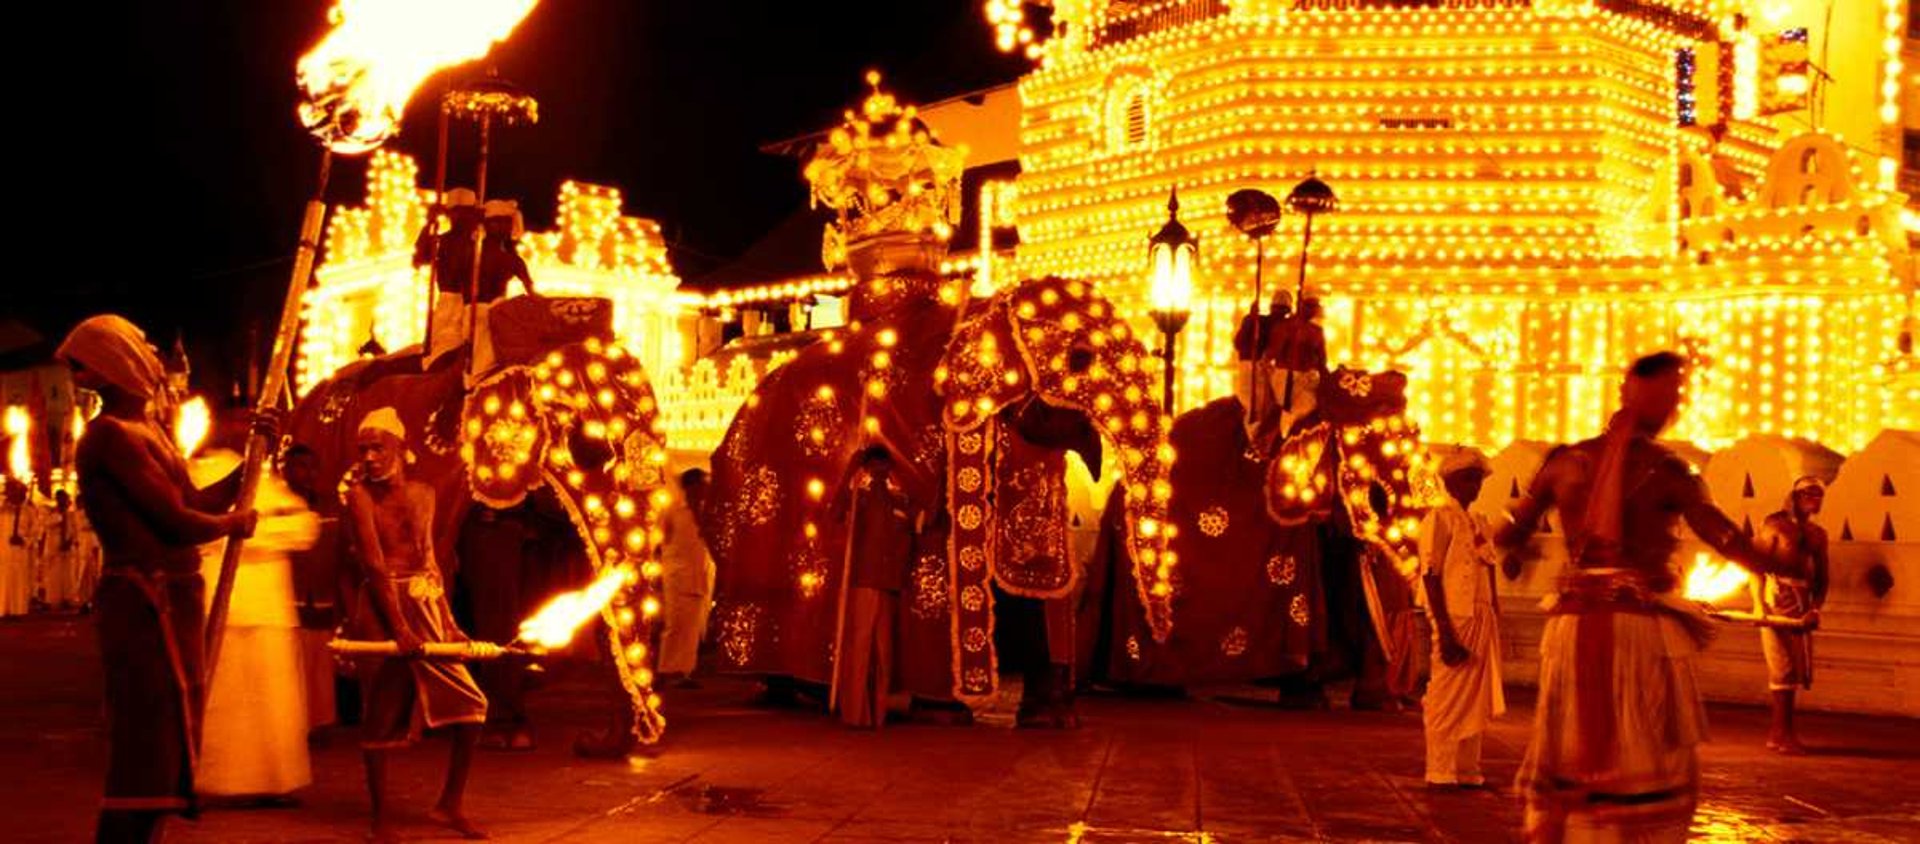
pixel 19 536
pixel 687 580
pixel 254 741
pixel 1457 562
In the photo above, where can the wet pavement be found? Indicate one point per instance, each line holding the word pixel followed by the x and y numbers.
pixel 1140 770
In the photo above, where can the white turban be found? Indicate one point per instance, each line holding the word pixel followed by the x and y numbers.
pixel 117 351
pixel 385 419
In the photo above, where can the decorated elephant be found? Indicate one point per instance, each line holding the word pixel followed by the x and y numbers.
pixel 1295 563
pixel 977 402
pixel 566 414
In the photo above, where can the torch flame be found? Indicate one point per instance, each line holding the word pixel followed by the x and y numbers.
pixel 190 427
pixel 553 625
pixel 356 82
pixel 1710 580
pixel 19 463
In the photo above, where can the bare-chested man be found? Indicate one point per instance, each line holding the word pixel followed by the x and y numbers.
pixel 405 600
pixel 1618 717
pixel 149 611
pixel 1796 591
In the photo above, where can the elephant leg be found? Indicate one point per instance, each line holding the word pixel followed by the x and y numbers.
pixel 1061 636
pixel 615 740
pixel 1046 696
pixel 1303 691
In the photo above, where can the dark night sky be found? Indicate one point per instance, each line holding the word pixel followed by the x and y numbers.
pixel 171 172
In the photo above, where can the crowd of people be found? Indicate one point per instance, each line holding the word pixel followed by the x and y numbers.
pixel 1618 715
pixel 50 557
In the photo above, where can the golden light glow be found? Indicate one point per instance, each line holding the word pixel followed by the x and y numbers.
pixel 19 459
pixel 368 286
pixel 1172 285
pixel 882 171
pixel 1710 580
pixel 1504 242
pixel 356 82
pixel 519 423
pixel 554 624
pixel 191 424
pixel 1010 29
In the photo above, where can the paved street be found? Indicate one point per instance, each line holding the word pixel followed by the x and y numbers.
pixel 1140 770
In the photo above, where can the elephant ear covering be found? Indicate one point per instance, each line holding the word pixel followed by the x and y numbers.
pixel 1061 342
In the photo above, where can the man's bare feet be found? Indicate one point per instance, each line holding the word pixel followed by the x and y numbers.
pixel 457 822
pixel 1787 747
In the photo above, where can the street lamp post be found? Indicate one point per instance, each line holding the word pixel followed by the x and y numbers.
pixel 1170 256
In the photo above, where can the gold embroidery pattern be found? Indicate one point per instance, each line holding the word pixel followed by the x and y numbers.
pixel 972 558
pixel 1036 527
pixel 930 587
pixel 969 479
pixel 1297 610
pixel 1282 569
pixel 738 628
pixel 816 428
pixel 810 569
pixel 976 640
pixel 973 598
pixel 970 517
pixel 764 501
pixel 1213 521
pixel 1357 384
pixel 1235 642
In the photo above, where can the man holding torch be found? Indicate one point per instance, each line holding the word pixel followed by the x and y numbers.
pixel 404 600
pixel 1613 753
pixel 149 606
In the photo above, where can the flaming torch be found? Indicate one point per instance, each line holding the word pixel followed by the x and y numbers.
pixel 19 460
pixel 19 463
pixel 354 85
pixel 190 426
pixel 1710 581
pixel 549 628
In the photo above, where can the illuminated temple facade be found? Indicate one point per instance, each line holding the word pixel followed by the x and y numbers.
pixel 367 292
pixel 1531 195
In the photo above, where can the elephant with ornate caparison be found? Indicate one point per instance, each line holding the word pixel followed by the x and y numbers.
pixel 564 413
pixel 1295 555
pixel 977 401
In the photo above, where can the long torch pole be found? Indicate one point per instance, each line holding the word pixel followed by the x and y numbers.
pixel 258 446
pixel 439 201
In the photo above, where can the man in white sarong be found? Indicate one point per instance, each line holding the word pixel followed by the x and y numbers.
pixel 1796 591
pixel 1457 563
pixel 18 536
pixel 59 553
pixel 1613 754
pixel 687 581
pixel 254 739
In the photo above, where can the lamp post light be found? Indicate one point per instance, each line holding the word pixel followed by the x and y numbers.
pixel 1170 256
